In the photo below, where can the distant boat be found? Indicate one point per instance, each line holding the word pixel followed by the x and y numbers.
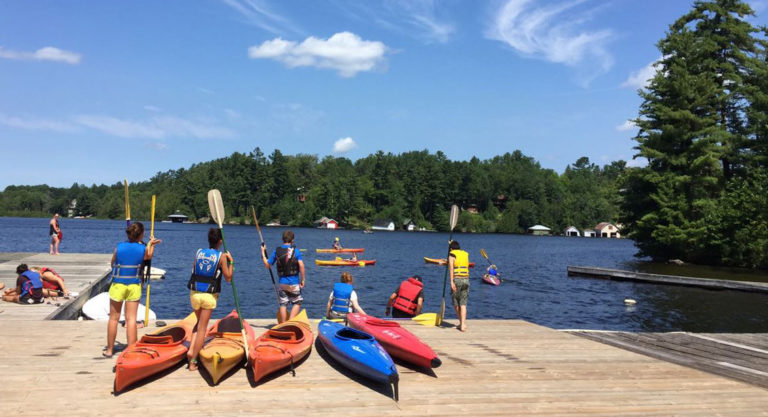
pixel 368 232
pixel 178 218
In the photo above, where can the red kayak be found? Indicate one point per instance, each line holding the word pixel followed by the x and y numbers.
pixel 491 279
pixel 397 341
pixel 153 353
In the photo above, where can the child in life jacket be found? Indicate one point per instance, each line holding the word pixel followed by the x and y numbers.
pixel 407 299
pixel 29 287
pixel 343 299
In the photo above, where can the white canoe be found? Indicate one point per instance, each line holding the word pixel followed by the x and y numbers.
pixel 97 308
pixel 156 273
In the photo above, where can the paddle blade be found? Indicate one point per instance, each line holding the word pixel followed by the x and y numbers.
pixel 426 319
pixel 482 252
pixel 152 229
pixel 361 263
pixel 216 206
pixel 454 216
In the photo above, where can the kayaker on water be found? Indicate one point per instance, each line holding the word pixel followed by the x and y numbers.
pixel 343 298
pixel 458 267
pixel 336 244
pixel 407 298
pixel 204 288
pixel 290 268
pixel 127 271
pixel 29 287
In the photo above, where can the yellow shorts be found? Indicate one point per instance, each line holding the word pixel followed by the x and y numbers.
pixel 204 300
pixel 122 292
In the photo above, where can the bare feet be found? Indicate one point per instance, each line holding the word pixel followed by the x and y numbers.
pixel 2 285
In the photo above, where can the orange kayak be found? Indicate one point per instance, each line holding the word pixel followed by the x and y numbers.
pixel 344 262
pixel 281 346
pixel 442 261
pixel 153 353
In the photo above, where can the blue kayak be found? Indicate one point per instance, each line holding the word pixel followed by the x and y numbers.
pixel 358 351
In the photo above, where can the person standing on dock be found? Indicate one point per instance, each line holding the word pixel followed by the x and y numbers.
pixel 458 267
pixel 55 233
pixel 127 266
pixel 290 269
pixel 407 299
pixel 204 288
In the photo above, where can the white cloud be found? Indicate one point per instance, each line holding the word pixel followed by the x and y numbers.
pixel 640 78
pixel 257 13
pixel 47 53
pixel 421 19
pixel 344 145
pixel 627 125
pixel 37 124
pixel 345 52
pixel 154 128
pixel 552 32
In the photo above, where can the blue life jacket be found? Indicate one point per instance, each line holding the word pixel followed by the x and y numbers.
pixel 206 276
pixel 33 282
pixel 492 271
pixel 342 294
pixel 129 261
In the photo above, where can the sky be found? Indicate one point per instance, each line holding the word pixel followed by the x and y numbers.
pixel 97 92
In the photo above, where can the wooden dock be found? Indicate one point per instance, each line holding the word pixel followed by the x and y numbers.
pixel 742 357
pixel 85 273
pixel 496 368
pixel 712 284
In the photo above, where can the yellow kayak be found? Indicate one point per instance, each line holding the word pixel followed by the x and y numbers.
pixel 224 349
pixel 344 262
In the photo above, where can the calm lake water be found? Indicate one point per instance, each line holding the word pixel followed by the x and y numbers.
pixel 537 287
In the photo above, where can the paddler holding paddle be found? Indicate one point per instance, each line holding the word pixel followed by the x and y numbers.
pixel 458 268
pixel 291 270
pixel 204 288
pixel 127 265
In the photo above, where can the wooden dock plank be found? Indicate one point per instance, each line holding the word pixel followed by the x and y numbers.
pixel 496 368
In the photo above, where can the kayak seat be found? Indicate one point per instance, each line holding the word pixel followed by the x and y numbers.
pixel 230 324
pixel 157 339
pixel 347 333
pixel 175 333
pixel 286 333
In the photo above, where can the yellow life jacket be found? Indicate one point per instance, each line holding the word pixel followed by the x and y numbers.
pixel 460 264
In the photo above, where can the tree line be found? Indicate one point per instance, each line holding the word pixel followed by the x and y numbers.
pixel 511 192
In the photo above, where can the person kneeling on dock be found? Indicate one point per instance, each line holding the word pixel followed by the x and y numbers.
pixel 290 269
pixel 204 288
pixel 53 283
pixel 407 298
pixel 127 265
pixel 29 287
pixel 343 299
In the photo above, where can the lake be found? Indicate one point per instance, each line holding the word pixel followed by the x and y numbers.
pixel 537 287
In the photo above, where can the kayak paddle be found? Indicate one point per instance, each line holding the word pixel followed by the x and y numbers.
pixel 216 206
pixel 426 319
pixel 127 206
pixel 454 220
pixel 148 268
pixel 264 248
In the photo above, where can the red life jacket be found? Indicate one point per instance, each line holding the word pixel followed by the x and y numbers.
pixel 407 294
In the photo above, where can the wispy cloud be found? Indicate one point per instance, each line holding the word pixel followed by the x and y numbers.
pixel 627 125
pixel 344 52
pixel 259 14
pixel 344 145
pixel 47 53
pixel 640 78
pixel 153 128
pixel 554 32
pixel 421 19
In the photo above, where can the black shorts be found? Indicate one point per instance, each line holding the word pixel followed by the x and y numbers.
pixel 399 314
pixel 29 299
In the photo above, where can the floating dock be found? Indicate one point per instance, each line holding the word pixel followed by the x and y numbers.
pixel 84 273
pixel 712 284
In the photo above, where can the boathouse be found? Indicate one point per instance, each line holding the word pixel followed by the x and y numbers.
pixel 572 231
pixel 177 217
pixel 409 225
pixel 539 230
pixel 589 233
pixel 386 225
pixel 326 223
pixel 606 229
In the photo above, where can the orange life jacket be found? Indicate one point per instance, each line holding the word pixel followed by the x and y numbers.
pixel 407 294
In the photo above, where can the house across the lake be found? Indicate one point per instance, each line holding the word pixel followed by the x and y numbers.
pixel 177 217
pixel 326 223
pixel 589 233
pixel 572 231
pixel 539 230
pixel 606 229
pixel 409 225
pixel 386 225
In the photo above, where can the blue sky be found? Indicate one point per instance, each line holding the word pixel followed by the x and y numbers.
pixel 94 91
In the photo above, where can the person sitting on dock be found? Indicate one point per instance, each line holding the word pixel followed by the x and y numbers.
pixel 336 244
pixel 458 268
pixel 53 283
pixel 290 269
pixel 29 287
pixel 407 298
pixel 127 265
pixel 343 299
pixel 204 288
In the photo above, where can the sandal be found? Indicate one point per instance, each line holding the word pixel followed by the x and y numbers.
pixel 104 354
pixel 192 365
